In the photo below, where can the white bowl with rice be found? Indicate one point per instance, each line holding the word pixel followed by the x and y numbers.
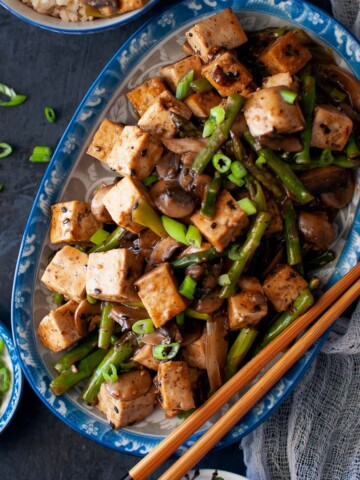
pixel 70 16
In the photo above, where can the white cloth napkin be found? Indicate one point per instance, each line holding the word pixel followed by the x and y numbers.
pixel 315 434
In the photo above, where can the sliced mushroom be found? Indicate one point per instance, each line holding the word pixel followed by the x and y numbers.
pixel 171 199
pixel 184 145
pixel 168 167
pixel 163 251
pixel 344 80
pixel 86 316
pixel 341 196
pixel 325 179
pixel 215 351
pixel 316 229
pixel 146 242
pixel 191 332
pixel 127 316
pixel 98 208
pixel 288 143
pixel 193 183
pixel 209 303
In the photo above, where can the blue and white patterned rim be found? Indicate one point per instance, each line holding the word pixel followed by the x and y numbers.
pixel 17 380
pixel 46 22
pixel 70 148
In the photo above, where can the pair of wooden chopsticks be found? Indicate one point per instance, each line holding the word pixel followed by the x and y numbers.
pixel 348 289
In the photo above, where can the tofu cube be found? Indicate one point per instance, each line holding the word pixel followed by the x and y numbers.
pixel 66 273
pixel 201 103
pixel 286 54
pixel 104 139
pixel 172 74
pixel 228 222
pixel 145 357
pixel 135 153
pixel 222 30
pixel 57 330
pixel 331 128
pixel 194 353
pixel 144 95
pixel 281 80
pixel 120 200
pixel 174 386
pixel 227 75
pixel 248 307
pixel 128 400
pixel 157 118
pixel 282 286
pixel 72 222
pixel 266 112
pixel 158 291
pixel 110 275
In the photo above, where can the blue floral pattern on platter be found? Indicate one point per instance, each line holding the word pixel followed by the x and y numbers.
pixel 11 399
pixel 73 174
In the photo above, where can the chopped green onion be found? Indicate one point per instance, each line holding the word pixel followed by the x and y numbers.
pixel 187 288
pixel 326 157
pixel 180 319
pixel 41 155
pixel 224 280
pixel 221 162
pixel 112 376
pixel 288 95
pixel 191 313
pixel 183 87
pixel 201 85
pixel 15 99
pixel 150 180
pixel 138 304
pixel 193 236
pixel 238 181
pixel 186 414
pixel 143 326
pixel 91 300
pixel 238 169
pixel 259 198
pixel 166 351
pixel 50 114
pixel 209 126
pixel 248 206
pixel 351 149
pixel 218 114
pixel 175 229
pixel 210 197
pixel 58 299
pixel 113 339
pixel 2 344
pixel 1 187
pixel 260 161
pixel 233 253
pixel 144 214
pixel 99 236
pixel 5 150
pixel 5 379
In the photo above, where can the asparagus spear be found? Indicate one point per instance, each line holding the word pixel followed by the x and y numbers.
pixel 81 351
pixel 196 258
pixel 220 134
pixel 185 127
pixel 106 327
pixel 246 252
pixel 291 233
pixel 72 375
pixel 208 204
pixel 112 241
pixel 117 355
pixel 339 160
pixel 308 105
pixel 238 350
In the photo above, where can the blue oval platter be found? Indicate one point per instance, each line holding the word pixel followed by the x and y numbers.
pixel 72 174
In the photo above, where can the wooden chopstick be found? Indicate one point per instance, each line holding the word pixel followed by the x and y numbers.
pixel 258 390
pixel 177 437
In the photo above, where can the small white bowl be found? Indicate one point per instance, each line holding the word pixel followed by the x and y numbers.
pixel 26 13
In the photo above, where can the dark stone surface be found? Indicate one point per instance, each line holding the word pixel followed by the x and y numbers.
pixel 53 70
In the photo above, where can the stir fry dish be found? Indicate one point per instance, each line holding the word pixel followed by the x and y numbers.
pixel 203 248
pixel 5 374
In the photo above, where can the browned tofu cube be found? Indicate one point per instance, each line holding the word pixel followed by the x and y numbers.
pixel 172 74
pixel 104 139
pixel 194 353
pixel 72 222
pixel 286 54
pixel 123 7
pixel 282 286
pixel 110 275
pixel 266 112
pixel 157 118
pixel 227 74
pixel 144 356
pixel 228 222
pixel 222 30
pixel 201 103
pixel 174 386
pixel 331 128
pixel 281 80
pixel 57 330
pixel 128 400
pixel 143 96
pixel 66 273
pixel 159 293
pixel 120 200
pixel 135 153
pixel 248 307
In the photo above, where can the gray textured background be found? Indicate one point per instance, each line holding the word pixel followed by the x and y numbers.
pixel 53 70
